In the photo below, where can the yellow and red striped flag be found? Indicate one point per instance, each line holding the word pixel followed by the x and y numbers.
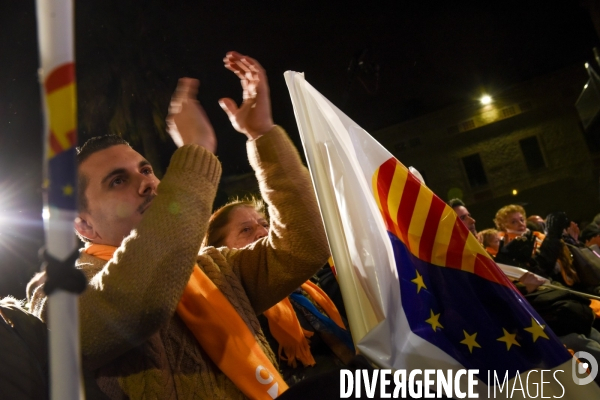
pixel 420 292
pixel 61 105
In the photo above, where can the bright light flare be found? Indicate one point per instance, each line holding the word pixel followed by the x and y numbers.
pixel 514 192
pixel 46 213
pixel 485 100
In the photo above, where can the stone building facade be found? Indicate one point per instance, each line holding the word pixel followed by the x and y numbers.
pixel 527 147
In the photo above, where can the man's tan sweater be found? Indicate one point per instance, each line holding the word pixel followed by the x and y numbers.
pixel 131 337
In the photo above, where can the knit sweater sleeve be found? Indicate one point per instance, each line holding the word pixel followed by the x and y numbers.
pixel 296 247
pixel 137 291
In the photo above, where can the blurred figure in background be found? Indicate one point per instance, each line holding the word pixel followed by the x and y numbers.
pixel 590 235
pixel 490 240
pixel 459 208
pixel 517 243
pixel 510 222
pixel 535 223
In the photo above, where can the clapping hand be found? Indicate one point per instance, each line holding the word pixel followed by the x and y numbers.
pixel 253 118
pixel 573 231
pixel 187 122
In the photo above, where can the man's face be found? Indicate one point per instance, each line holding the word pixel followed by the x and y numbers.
pixel 466 218
pixel 120 188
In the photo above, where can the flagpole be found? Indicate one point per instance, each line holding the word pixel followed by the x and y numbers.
pixel 586 295
pixel 317 158
pixel 64 282
pixel 517 272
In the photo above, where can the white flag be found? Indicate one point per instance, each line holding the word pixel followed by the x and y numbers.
pixel 419 291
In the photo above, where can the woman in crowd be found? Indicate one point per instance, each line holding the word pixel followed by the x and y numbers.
pixel 547 254
pixel 306 326
pixel 570 316
pixel 490 240
pixel 511 223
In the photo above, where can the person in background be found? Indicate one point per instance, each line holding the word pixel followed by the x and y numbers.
pixel 549 256
pixel 490 240
pixel 569 315
pixel 510 222
pixel 590 235
pixel 306 329
pixel 24 349
pixel 511 225
pixel 463 214
pixel 571 234
pixel 537 222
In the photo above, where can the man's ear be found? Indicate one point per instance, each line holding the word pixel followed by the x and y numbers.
pixel 84 228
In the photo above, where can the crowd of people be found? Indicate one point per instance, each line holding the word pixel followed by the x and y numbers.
pixel 562 281
pixel 182 302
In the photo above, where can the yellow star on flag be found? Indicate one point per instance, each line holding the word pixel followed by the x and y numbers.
pixel 434 321
pixel 419 281
pixel 469 340
pixel 67 190
pixel 509 339
pixel 536 330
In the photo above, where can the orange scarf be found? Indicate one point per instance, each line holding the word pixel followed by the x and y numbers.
pixel 491 251
pixel 222 334
pixel 286 329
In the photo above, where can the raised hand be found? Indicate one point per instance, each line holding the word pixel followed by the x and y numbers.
pixel 253 118
pixel 573 231
pixel 187 122
pixel 556 223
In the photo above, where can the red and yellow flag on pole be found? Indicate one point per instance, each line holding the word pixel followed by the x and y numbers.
pixel 420 291
pixel 57 78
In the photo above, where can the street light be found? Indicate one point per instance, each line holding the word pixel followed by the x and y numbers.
pixel 485 99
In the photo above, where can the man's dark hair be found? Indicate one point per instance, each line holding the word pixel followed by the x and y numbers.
pixel 90 147
pixel 589 232
pixel 534 226
pixel 453 203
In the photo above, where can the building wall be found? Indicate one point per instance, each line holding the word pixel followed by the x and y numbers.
pixel 544 108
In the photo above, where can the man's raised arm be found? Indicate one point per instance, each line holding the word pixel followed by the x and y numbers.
pixel 136 291
pixel 296 247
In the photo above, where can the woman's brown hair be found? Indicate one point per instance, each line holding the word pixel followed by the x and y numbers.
pixel 215 234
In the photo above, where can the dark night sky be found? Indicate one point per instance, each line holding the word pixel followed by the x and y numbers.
pixel 428 55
